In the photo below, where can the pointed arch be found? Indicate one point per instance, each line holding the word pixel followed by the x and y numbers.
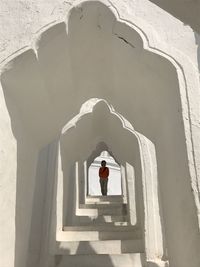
pixel 152 230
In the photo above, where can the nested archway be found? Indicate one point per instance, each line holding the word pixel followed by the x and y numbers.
pixel 114 182
pixel 113 62
pixel 135 149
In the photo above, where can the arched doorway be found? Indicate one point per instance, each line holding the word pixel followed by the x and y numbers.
pixel 114 182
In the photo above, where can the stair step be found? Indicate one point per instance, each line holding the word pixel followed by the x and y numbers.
pixel 100 228
pixel 104 202
pixel 103 219
pixel 110 218
pixel 104 224
pixel 92 235
pixel 95 210
pixel 124 260
pixel 99 247
pixel 98 212
pixel 101 205
pixel 104 199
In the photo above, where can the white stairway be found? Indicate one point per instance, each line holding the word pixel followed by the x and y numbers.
pixel 103 238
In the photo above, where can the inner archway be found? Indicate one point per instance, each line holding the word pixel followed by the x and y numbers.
pixel 128 146
pixel 114 181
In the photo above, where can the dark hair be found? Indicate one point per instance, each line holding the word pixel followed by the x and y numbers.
pixel 103 162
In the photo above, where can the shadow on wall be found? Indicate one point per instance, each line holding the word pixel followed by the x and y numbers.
pixel 25 174
pixel 42 210
pixel 82 259
pixel 69 192
pixel 186 11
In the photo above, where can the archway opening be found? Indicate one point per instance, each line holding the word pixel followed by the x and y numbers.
pixel 150 100
pixel 114 179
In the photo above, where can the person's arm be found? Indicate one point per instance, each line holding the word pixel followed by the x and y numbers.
pixel 108 171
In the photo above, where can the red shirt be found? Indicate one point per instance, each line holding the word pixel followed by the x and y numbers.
pixel 103 172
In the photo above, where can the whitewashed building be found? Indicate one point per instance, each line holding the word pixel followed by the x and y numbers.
pixel 78 78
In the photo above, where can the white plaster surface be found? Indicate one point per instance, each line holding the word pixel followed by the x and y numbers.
pixel 22 19
pixel 44 88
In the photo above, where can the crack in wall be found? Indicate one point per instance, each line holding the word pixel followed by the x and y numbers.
pixel 124 40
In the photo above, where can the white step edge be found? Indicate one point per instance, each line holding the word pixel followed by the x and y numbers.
pixel 98 228
pixel 102 205
pixel 96 235
pixel 109 210
pixel 99 247
pixel 104 202
pixel 102 198
pixel 96 223
pixel 102 219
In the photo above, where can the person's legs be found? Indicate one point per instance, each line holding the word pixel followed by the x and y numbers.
pixel 102 186
pixel 105 187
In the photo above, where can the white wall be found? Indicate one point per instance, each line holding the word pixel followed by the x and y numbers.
pixel 41 93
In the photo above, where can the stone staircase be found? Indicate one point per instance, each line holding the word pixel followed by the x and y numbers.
pixel 104 236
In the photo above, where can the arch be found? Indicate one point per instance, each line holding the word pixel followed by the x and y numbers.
pixel 115 180
pixel 152 225
pixel 31 57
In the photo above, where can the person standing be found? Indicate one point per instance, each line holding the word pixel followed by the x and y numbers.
pixel 103 175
